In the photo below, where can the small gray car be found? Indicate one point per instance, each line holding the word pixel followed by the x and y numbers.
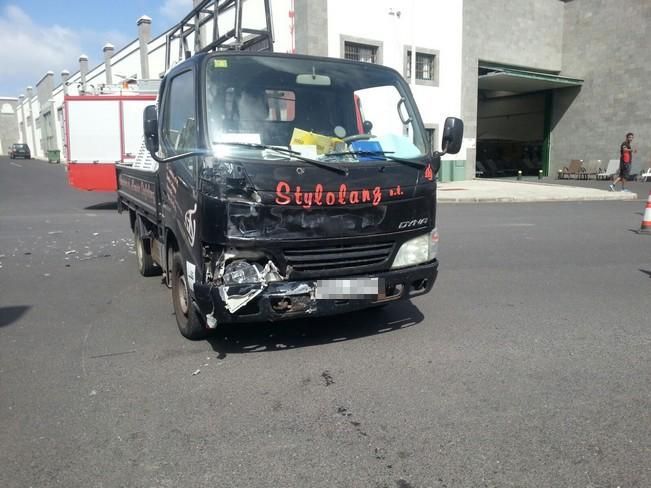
pixel 19 151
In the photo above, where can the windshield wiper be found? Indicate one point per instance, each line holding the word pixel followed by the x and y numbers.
pixel 381 156
pixel 289 152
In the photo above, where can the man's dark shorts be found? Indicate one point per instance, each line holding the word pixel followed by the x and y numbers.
pixel 624 170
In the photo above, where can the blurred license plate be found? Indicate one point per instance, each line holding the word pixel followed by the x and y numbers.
pixel 347 289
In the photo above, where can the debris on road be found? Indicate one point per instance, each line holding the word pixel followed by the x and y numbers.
pixel 90 256
pixel 196 372
pixel 329 380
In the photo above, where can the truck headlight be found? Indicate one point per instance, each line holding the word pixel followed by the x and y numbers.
pixel 418 250
pixel 241 272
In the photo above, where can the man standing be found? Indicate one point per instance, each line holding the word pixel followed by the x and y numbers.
pixel 625 161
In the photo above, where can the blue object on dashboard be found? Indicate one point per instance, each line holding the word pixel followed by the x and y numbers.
pixel 367 146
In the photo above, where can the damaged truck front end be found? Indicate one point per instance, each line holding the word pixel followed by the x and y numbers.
pixel 245 291
pixel 266 261
pixel 289 186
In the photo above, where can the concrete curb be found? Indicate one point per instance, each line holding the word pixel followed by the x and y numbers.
pixel 500 191
pixel 471 199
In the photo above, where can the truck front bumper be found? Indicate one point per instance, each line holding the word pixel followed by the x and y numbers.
pixel 282 300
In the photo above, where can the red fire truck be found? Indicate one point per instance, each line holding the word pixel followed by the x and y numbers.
pixel 104 129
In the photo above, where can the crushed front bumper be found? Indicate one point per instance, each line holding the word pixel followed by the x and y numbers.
pixel 282 300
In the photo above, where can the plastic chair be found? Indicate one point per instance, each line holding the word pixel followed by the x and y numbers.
pixel 591 168
pixel 574 169
pixel 611 170
pixel 480 170
pixel 644 176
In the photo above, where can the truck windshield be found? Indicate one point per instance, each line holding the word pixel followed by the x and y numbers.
pixel 326 110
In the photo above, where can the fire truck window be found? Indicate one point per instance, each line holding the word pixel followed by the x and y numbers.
pixel 282 105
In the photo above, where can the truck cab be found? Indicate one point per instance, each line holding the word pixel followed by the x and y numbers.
pixel 288 186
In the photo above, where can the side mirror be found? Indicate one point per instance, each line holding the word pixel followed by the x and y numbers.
pixel 150 128
pixel 452 135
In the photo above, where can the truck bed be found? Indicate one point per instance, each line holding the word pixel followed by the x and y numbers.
pixel 138 190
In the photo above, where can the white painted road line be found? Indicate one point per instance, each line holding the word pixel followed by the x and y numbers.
pixel 15 164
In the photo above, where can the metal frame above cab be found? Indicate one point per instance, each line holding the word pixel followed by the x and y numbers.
pixel 199 31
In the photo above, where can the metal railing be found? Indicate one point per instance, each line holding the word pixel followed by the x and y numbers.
pixel 201 31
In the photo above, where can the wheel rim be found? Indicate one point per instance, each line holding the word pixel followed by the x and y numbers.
pixel 182 293
pixel 139 251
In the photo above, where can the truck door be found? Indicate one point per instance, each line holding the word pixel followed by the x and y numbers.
pixel 179 179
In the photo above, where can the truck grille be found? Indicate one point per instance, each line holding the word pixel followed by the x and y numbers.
pixel 332 258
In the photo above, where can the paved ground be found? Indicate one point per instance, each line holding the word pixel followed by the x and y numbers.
pixel 534 190
pixel 528 366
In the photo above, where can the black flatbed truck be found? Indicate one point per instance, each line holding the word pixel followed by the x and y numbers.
pixel 287 186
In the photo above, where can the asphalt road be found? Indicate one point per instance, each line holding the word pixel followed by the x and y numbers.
pixel 528 366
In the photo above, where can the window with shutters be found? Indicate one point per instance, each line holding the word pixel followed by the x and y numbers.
pixel 426 66
pixel 358 49
pixel 360 52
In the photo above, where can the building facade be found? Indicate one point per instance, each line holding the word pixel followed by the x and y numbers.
pixel 537 82
pixel 592 63
pixel 607 44
pixel 8 123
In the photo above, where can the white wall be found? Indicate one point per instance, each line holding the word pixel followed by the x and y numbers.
pixel 436 25
pixel 126 64
pixel 281 21
pixel 433 25
pixel 33 136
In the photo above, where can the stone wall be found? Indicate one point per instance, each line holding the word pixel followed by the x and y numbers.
pixel 8 124
pixel 311 27
pixel 607 44
pixel 525 33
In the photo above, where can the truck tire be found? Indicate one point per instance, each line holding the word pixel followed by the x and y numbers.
pixel 146 264
pixel 190 323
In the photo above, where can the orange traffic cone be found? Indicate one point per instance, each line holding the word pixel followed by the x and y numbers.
pixel 646 220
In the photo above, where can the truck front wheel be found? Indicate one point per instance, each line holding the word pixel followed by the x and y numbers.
pixel 188 319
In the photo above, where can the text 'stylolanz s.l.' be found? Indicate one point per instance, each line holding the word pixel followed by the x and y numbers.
pixel 286 195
